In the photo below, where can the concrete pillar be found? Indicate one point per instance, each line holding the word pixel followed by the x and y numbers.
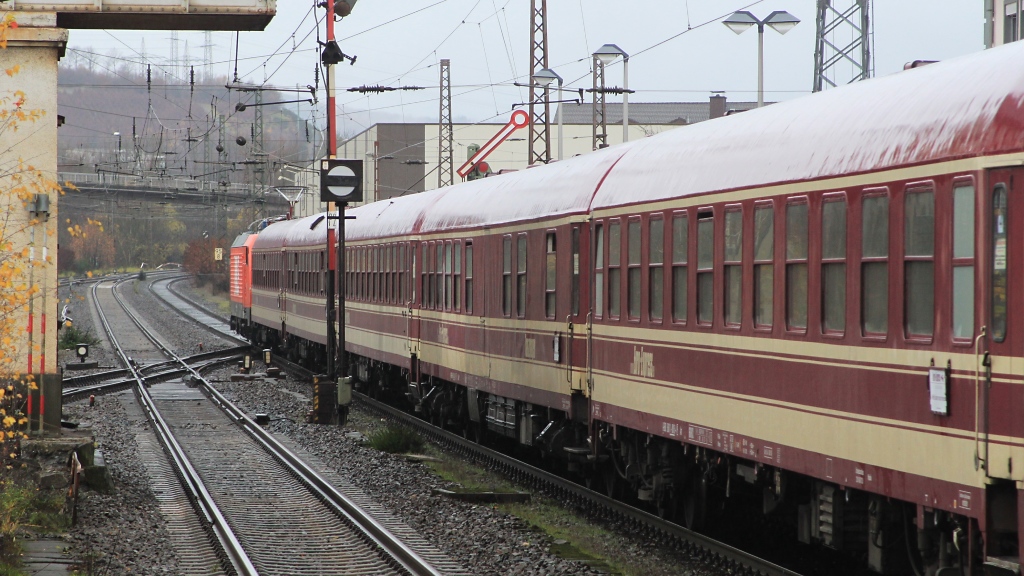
pixel 33 49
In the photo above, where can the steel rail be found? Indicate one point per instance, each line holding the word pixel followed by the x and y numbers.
pixel 189 477
pixel 398 552
pixel 405 557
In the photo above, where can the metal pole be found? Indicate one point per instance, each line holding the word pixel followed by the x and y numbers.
pixel 335 300
pixel 561 102
pixel 625 99
pixel 760 64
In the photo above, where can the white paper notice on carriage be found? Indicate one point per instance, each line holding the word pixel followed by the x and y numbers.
pixel 938 391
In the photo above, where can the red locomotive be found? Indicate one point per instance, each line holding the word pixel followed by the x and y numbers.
pixel 810 301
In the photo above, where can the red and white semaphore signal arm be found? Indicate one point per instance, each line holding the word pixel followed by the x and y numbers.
pixel 520 119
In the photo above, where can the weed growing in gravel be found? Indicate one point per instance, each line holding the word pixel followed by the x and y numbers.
pixel 395 440
pixel 71 337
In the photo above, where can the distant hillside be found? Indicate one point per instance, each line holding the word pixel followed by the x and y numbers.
pixel 169 126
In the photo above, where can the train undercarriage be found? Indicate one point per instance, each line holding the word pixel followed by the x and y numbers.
pixel 691 485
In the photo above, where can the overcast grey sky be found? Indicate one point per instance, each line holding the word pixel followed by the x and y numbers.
pixel 400 42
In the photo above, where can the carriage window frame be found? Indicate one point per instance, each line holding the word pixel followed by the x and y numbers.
pixel 705 266
pixel 506 276
pixel 924 253
pixel 875 232
pixel 963 257
pixel 834 260
pixel 764 261
pixel 797 259
pixel 656 268
pixel 732 267
pixel 614 249
pixel 680 266
pixel 522 286
pixel 449 274
pixel 468 299
pixel 457 276
pixel 634 258
pixel 439 275
pixel 999 295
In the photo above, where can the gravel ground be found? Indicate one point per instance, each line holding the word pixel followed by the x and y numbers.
pixel 126 530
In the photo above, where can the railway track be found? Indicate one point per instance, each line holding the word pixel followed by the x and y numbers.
pixel 596 505
pixel 268 511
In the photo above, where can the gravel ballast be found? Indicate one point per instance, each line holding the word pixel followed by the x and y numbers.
pixel 126 529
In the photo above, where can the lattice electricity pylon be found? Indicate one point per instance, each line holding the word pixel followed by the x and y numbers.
pixel 600 126
pixel 843 36
pixel 446 168
pixel 261 171
pixel 540 139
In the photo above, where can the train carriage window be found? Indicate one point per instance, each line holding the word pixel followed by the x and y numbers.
pixel 614 271
pixel 1000 255
pixel 833 264
pixel 457 276
pixel 796 265
pixel 599 270
pixel 633 269
pixel 733 258
pixel 963 261
pixel 424 277
pixel 551 276
pixel 705 266
pixel 449 269
pixel 521 276
pixel 656 269
pixel 506 276
pixel 403 273
pixel 469 277
pixel 874 291
pixel 389 273
pixel 764 265
pixel 378 273
pixel 575 270
pixel 919 263
pixel 680 280
pixel 439 274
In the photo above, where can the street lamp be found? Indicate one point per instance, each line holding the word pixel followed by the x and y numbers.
pixel 544 78
pixel 780 21
pixel 117 162
pixel 608 54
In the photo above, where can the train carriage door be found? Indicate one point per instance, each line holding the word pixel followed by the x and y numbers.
pixel 1002 298
pixel 996 385
pixel 283 286
pixel 578 315
pixel 417 283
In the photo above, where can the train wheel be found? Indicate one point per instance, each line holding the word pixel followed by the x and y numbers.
pixel 695 502
pixel 667 506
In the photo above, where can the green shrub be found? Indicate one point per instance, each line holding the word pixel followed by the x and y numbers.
pixel 71 337
pixel 15 503
pixel 395 440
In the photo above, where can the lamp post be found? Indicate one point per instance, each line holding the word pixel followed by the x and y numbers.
pixel 117 159
pixel 780 21
pixel 608 54
pixel 544 78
